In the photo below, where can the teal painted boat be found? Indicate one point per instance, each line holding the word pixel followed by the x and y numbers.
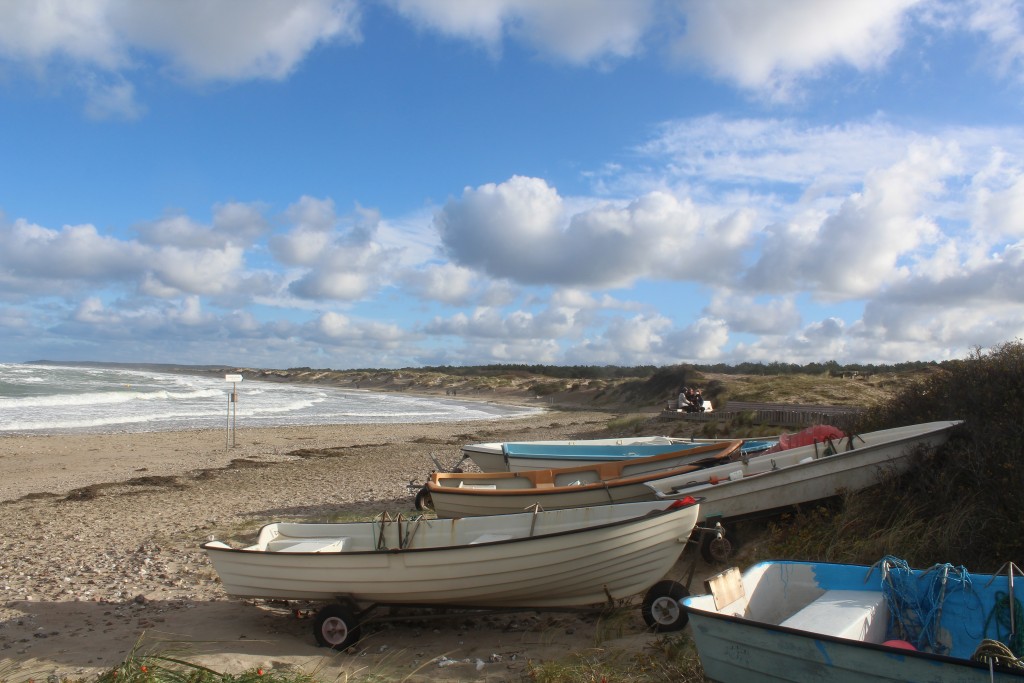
pixel 799 622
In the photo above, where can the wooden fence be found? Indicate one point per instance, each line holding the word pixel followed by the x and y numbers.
pixel 781 414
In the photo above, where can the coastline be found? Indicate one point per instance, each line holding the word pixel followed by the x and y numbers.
pixel 102 550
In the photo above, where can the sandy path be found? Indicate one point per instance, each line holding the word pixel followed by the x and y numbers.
pixel 100 551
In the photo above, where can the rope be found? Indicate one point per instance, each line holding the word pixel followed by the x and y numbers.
pixel 1000 614
pixel 993 652
pixel 915 602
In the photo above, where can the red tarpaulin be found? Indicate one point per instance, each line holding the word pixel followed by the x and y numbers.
pixel 805 437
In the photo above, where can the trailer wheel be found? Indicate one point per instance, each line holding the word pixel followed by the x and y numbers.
pixel 716 549
pixel 335 627
pixel 661 608
pixel 424 503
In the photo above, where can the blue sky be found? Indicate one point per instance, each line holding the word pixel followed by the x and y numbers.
pixel 357 183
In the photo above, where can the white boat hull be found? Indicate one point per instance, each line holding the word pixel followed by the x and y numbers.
pixel 575 557
pixel 803 474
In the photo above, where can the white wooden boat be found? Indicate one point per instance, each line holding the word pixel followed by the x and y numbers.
pixel 455 494
pixel 559 558
pixel 768 482
pixel 520 456
pixel 804 622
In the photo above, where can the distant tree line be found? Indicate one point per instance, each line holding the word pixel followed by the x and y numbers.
pixel 598 372
pixel 776 368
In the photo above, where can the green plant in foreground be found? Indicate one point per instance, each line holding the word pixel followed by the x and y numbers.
pixel 666 658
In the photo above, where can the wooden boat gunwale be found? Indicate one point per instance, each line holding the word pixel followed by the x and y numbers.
pixel 543 480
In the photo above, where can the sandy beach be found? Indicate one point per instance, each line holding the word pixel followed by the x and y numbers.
pixel 101 551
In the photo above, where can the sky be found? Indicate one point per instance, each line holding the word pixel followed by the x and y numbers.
pixel 403 183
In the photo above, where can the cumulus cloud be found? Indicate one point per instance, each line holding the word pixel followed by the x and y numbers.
pixel 233 224
pixel 444 282
pixel 173 256
pixel 203 40
pixel 338 327
pixel 519 230
pixel 337 257
pixel 861 247
pixel 746 314
pixel 73 253
pixel 107 40
pixel 767 46
pixel 997 201
pixel 651 338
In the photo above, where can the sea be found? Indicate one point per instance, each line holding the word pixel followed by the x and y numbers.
pixel 53 399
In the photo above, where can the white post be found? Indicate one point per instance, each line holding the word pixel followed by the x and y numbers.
pixel 232 406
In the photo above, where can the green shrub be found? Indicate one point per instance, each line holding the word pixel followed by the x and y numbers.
pixel 961 504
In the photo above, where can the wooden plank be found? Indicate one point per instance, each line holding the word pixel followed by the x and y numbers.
pixel 726 587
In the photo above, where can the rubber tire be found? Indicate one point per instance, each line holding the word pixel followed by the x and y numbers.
pixel 661 609
pixel 716 550
pixel 336 627
pixel 423 501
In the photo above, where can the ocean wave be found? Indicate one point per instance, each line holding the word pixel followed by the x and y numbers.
pixel 103 398
pixel 96 400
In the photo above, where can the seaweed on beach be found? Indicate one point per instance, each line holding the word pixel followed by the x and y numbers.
pixel 93 491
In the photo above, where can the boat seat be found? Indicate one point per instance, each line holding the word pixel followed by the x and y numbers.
pixel 464 485
pixel 490 538
pixel 307 545
pixel 857 615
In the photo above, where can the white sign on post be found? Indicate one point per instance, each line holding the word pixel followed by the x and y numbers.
pixel 229 436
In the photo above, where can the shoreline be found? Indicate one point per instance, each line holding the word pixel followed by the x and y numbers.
pixel 102 550
pixel 56 463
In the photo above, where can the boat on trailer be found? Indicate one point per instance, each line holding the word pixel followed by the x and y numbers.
pixel 540 559
pixel 771 481
pixel 803 622
pixel 456 494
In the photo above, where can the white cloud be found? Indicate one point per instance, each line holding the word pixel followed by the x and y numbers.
pixel 336 328
pixel 518 230
pixel 338 257
pixel 767 46
pixel 1001 22
pixel 203 40
pixel 105 41
pixel 206 271
pixel 75 252
pixel 772 155
pixel 232 41
pixel 111 98
pixel 233 224
pixel 77 29
pixel 998 200
pixel 575 31
pixel 745 314
pixel 863 246
pixel 445 282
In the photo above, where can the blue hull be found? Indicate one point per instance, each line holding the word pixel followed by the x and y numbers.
pixel 789 626
pixel 574 454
